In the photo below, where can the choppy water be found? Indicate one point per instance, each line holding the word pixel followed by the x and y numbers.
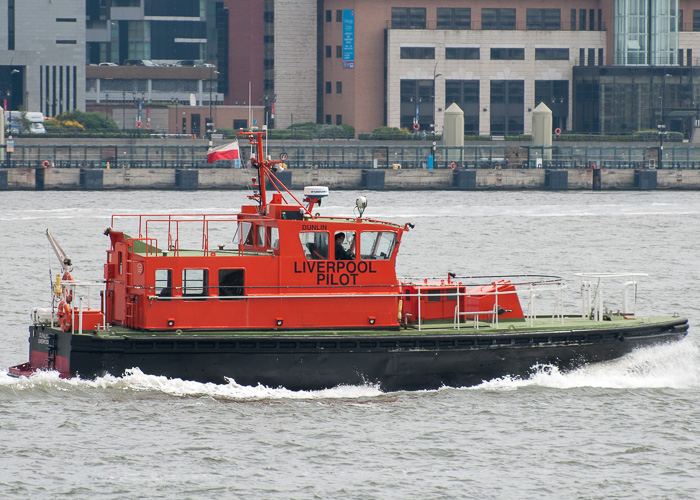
pixel 624 429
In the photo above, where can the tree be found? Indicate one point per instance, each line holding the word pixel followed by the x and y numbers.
pixel 91 122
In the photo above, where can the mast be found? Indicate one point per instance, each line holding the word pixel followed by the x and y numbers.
pixel 266 167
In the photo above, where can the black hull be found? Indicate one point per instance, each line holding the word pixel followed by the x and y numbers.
pixel 395 362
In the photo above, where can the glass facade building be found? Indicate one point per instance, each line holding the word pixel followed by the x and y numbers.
pixel 626 100
pixel 646 32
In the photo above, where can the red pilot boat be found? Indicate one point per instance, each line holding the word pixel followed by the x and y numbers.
pixel 308 302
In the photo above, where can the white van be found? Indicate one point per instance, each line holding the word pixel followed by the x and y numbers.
pixel 16 122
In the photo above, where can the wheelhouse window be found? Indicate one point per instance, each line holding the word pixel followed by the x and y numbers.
pixel 274 238
pixel 244 234
pixel 231 283
pixel 377 244
pixel 315 245
pixel 261 236
pixel 344 245
pixel 194 282
pixel 164 283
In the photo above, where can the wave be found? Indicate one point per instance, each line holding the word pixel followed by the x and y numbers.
pixel 135 380
pixel 674 366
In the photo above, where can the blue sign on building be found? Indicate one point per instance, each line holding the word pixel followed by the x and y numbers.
pixel 348 38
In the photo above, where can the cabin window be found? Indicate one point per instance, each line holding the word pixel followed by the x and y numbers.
pixel 315 245
pixel 261 236
pixel 244 234
pixel 447 294
pixel 344 245
pixel 274 238
pixel 164 283
pixel 231 283
pixel 377 244
pixel 194 282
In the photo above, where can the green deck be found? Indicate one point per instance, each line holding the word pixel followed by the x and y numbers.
pixel 540 325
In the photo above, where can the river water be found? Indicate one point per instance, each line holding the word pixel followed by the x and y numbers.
pixel 623 429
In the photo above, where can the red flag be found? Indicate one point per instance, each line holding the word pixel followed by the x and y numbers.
pixel 225 152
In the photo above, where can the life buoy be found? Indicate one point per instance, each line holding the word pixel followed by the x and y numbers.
pixel 148 126
pixel 65 316
pixel 557 131
pixel 138 124
pixel 416 126
pixel 453 165
pixel 46 163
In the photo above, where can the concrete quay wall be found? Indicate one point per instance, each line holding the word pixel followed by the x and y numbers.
pixel 414 179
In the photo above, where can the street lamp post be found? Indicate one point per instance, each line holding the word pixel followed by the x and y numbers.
pixel 210 123
pixel 434 124
pixel 662 125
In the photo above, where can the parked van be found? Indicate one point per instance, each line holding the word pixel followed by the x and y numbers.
pixel 19 122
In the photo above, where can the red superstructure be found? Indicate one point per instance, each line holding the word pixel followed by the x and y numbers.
pixel 284 269
pixel 283 263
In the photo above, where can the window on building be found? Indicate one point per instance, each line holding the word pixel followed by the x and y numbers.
pixel 338 87
pixel 543 19
pixel 328 87
pixel 548 54
pixel 338 119
pixel 554 94
pixel 582 19
pixel 461 52
pixel 591 57
pixel 696 20
pixel 581 57
pixel 407 18
pixel 11 25
pixel 329 16
pixel 328 51
pixel 573 19
pixel 338 16
pixel 328 119
pixel 239 124
pixel 591 16
pixel 508 54
pixel 507 107
pixel 454 19
pixel 338 51
pixel 465 93
pixel 680 20
pixel 417 52
pixel 601 61
pixel 417 103
pixel 498 19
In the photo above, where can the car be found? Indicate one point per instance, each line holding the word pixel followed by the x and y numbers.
pixel 140 62
pixel 108 64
